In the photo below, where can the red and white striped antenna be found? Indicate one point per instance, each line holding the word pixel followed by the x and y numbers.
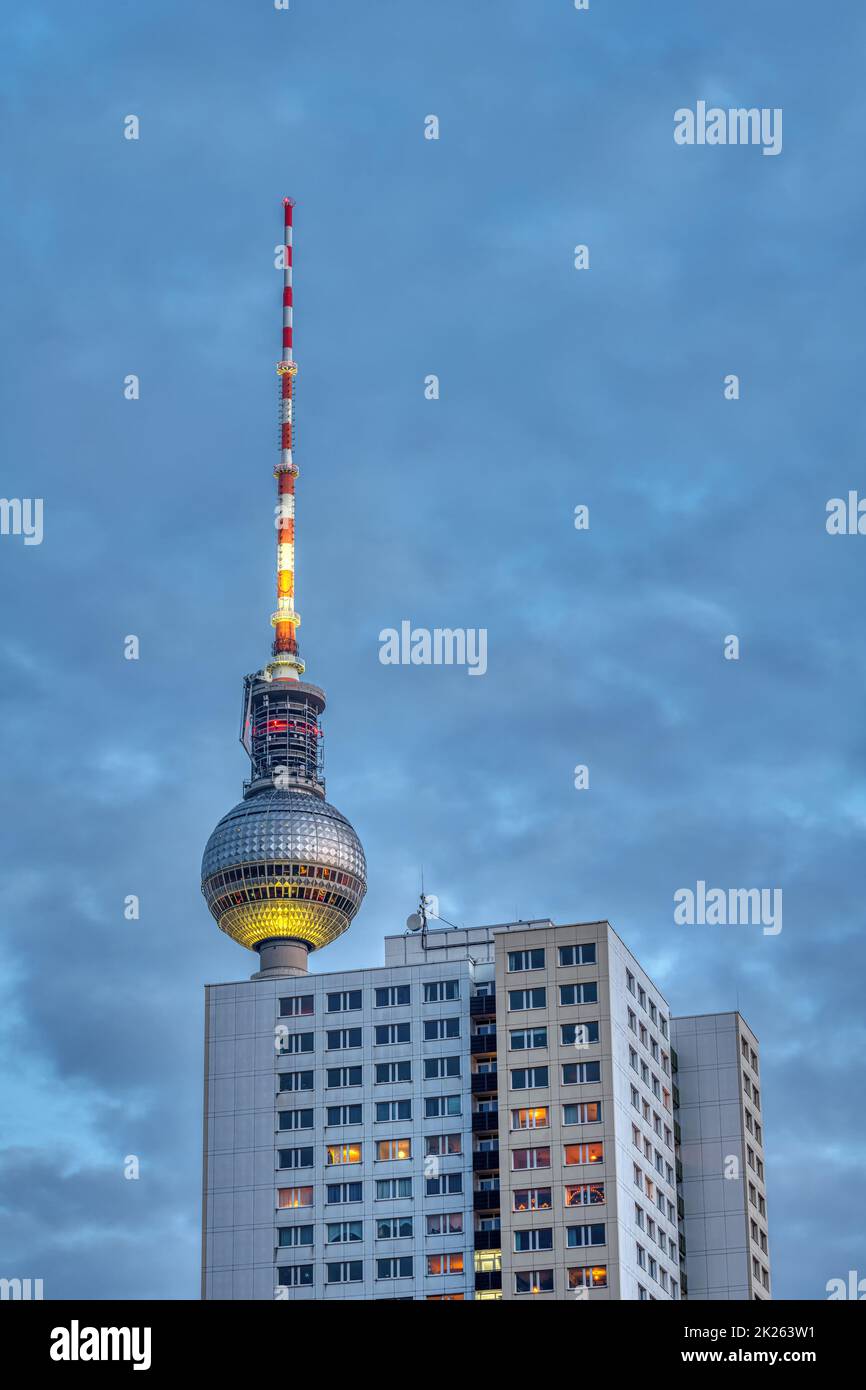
pixel 286 663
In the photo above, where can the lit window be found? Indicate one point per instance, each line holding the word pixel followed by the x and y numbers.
pixel 388 1150
pixel 532 1199
pixel 343 1153
pixel 588 1277
pixel 584 1153
pixel 445 1264
pixel 584 1194
pixel 534 1117
pixel 294 1197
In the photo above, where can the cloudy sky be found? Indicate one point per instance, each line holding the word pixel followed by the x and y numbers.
pixel 558 388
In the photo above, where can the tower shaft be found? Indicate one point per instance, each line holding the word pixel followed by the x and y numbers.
pixel 286 663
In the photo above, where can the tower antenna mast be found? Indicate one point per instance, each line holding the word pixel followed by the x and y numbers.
pixel 286 663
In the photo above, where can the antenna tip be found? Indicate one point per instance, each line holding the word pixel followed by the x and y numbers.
pixel 288 202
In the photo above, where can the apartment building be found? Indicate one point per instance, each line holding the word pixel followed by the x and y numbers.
pixel 494 1113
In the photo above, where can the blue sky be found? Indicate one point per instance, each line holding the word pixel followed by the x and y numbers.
pixel 558 387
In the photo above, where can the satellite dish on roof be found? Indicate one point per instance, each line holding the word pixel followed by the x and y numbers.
pixel 415 922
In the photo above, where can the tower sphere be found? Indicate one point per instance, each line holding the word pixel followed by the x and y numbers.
pixel 285 864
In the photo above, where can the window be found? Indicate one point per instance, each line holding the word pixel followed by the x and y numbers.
pixel 388 1150
pixel 294 1276
pixel 395 1267
pixel 585 1235
pixel 526 960
pixel 533 1117
pixel 534 1281
pixel 343 1114
pixel 445 1264
pixel 524 1039
pixel 294 1197
pixel 577 955
pixel 295 1158
pixel 296 1080
pixel 335 1077
pixel 443 1144
pixel 389 1189
pixel 578 1034
pixel 344 1232
pixel 588 1277
pixel 390 996
pixel 540 1238
pixel 337 1193
pixel 389 1072
pixel 579 994
pixel 387 1034
pixel 526 1077
pixel 437 1028
pixel 336 1154
pixel 294 1235
pixel 393 1110
pixel 629 979
pixel 580 1073
pixel 584 1112
pixel 527 998
pixel 337 1039
pixel 584 1194
pixel 296 1005
pixel 531 1199
pixel 584 1153
pixel 437 1067
pixel 449 1223
pixel 445 1185
pixel 394 1228
pixel 346 1272
pixel 294 1042
pixel 343 1002
pixel 295 1119
pixel 440 991
pixel 530 1158
pixel 435 1106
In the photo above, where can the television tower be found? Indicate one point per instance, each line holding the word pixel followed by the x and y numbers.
pixel 284 872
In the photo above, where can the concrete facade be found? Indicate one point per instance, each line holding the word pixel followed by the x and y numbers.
pixel 724 1188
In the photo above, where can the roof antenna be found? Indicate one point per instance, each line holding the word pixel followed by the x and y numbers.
pixel 418 920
